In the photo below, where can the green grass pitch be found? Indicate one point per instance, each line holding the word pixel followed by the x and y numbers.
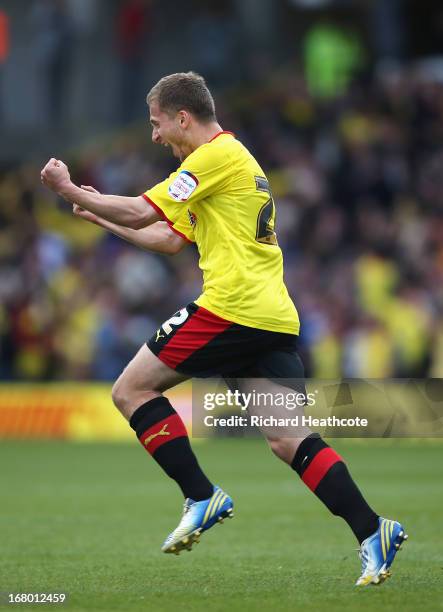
pixel 89 520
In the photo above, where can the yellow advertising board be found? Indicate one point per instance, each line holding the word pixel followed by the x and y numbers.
pixel 72 411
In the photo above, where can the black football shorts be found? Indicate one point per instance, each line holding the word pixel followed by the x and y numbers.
pixel 198 343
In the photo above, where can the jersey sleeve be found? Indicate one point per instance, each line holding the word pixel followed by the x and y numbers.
pixel 203 173
pixel 183 226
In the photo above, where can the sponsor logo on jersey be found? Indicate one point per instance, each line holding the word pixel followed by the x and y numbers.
pixel 183 186
pixel 192 218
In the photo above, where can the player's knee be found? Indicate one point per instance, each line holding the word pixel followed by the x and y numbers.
pixel 127 396
pixel 117 394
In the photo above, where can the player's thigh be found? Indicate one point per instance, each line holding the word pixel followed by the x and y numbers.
pixel 274 367
pixel 284 372
pixel 277 381
pixel 145 374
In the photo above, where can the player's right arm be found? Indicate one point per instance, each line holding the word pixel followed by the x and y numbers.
pixel 158 237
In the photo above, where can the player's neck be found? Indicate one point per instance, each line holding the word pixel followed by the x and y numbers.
pixel 202 134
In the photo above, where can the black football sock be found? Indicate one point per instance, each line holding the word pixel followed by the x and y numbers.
pixel 325 473
pixel 163 434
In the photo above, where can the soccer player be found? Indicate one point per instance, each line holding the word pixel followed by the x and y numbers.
pixel 243 324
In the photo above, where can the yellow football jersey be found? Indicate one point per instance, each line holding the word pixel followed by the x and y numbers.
pixel 220 198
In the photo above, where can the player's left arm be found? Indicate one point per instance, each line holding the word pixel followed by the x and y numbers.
pixel 132 212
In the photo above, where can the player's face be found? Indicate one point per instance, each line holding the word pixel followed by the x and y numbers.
pixel 166 130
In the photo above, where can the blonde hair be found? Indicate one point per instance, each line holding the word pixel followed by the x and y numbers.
pixel 184 91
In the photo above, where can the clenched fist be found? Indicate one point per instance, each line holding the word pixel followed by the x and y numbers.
pixel 55 175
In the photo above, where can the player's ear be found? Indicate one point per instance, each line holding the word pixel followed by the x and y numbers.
pixel 183 118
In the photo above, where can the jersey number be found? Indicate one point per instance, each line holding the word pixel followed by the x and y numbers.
pixel 177 319
pixel 265 232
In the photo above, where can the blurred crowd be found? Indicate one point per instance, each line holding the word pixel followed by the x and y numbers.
pixel 358 184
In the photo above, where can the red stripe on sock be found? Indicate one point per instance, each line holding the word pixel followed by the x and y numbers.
pixel 319 467
pixel 164 431
pixel 198 330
